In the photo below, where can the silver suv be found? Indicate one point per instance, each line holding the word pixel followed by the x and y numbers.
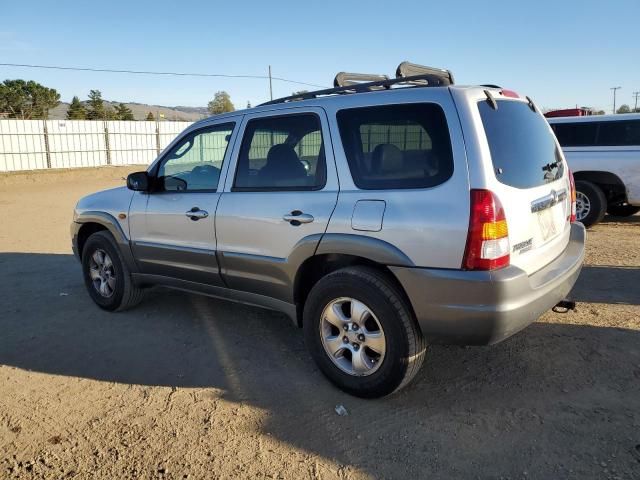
pixel 380 216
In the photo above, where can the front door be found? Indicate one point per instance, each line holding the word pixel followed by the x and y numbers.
pixel 173 226
pixel 277 200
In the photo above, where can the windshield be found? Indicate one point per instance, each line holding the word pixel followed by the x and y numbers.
pixel 523 149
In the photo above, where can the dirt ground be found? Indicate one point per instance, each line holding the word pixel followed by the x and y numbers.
pixel 186 386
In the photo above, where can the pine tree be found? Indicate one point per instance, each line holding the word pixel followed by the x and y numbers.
pixel 123 112
pixel 96 110
pixel 150 117
pixel 76 110
pixel 110 113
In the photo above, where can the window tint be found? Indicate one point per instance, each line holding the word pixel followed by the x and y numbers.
pixel 576 134
pixel 194 163
pixel 523 149
pixel 615 133
pixel 619 133
pixel 282 153
pixel 397 146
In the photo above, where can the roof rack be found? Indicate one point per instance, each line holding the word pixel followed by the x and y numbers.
pixel 407 74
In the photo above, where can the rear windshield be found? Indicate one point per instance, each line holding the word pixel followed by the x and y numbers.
pixel 523 149
pixel 396 146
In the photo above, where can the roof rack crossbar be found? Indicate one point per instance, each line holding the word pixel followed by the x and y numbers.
pixel 408 69
pixel 424 80
pixel 344 79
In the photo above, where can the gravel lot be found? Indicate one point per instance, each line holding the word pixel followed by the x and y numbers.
pixel 185 386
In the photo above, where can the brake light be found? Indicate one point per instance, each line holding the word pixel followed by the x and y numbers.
pixel 509 93
pixel 488 238
pixel 572 183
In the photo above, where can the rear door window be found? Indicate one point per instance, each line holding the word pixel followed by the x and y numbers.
pixel 619 133
pixel 282 153
pixel 396 146
pixel 523 149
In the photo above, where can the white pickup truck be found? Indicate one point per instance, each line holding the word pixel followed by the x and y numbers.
pixel 603 151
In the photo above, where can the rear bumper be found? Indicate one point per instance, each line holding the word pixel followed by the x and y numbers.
pixel 479 308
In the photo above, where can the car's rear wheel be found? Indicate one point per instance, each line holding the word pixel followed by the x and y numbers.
pixel 622 210
pixel 361 332
pixel 106 276
pixel 591 203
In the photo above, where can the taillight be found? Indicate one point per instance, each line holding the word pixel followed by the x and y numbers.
pixel 488 237
pixel 572 182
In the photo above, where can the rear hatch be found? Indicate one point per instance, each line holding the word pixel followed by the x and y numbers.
pixel 532 181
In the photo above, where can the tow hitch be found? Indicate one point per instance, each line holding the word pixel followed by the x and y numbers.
pixel 564 306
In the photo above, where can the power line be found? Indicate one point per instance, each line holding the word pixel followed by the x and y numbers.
pixel 143 72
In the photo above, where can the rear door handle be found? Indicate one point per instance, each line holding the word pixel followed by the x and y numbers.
pixel 196 214
pixel 296 218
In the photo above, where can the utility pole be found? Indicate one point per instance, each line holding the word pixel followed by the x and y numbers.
pixel 635 95
pixel 614 97
pixel 270 84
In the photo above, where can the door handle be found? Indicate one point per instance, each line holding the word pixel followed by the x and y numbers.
pixel 196 214
pixel 296 218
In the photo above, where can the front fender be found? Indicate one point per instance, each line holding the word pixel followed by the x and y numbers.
pixel 90 219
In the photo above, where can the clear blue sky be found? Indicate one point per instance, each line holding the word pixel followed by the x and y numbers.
pixel 561 53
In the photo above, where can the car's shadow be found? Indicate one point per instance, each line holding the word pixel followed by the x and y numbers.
pixel 633 219
pixel 608 284
pixel 520 399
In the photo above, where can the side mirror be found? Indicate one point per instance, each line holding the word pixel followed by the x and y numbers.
pixel 138 181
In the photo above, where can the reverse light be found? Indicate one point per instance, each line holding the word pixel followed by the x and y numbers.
pixel 572 183
pixel 488 238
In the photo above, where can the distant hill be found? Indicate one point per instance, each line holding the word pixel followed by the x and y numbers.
pixel 140 111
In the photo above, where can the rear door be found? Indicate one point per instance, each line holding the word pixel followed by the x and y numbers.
pixel 279 195
pixel 524 166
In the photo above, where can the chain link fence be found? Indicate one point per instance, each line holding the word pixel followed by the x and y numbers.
pixel 43 144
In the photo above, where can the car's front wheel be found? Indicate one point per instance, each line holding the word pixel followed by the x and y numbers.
pixel 106 276
pixel 361 332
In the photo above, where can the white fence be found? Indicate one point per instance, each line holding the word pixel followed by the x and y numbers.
pixel 42 144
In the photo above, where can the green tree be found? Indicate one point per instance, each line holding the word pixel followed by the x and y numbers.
pixel 221 103
pixel 95 104
pixel 110 113
pixel 27 99
pixel 624 109
pixel 76 110
pixel 123 112
pixel 150 117
pixel 598 112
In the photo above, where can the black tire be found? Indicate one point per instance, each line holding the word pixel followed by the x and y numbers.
pixel 622 210
pixel 597 202
pixel 405 346
pixel 125 294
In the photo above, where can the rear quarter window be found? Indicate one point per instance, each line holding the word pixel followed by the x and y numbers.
pixel 523 149
pixel 396 146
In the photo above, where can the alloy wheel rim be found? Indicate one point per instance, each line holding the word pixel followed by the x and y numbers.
pixel 102 273
pixel 583 206
pixel 352 336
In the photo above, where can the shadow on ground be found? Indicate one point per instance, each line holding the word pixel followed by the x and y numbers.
pixel 634 219
pixel 608 284
pixel 552 400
